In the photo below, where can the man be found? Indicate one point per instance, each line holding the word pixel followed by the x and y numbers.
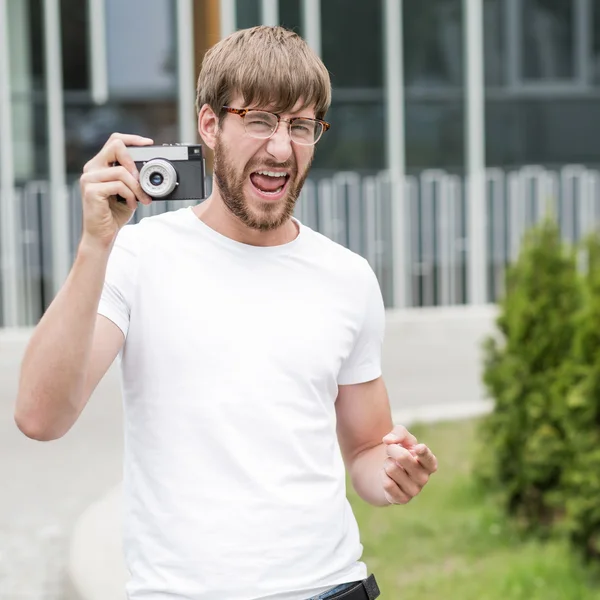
pixel 247 341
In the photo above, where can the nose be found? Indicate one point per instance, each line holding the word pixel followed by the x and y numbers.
pixel 279 145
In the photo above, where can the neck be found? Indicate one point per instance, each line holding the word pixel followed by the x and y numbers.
pixel 217 216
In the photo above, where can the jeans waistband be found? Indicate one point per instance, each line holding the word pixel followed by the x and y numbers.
pixel 367 589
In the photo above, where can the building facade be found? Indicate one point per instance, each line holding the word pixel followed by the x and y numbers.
pixel 455 125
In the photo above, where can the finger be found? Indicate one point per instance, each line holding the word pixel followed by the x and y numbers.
pixel 409 464
pixel 400 435
pixel 112 189
pixel 401 478
pixel 426 458
pixel 131 139
pixel 115 150
pixel 393 494
pixel 116 173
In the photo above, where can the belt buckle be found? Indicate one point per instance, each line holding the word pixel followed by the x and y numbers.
pixel 371 587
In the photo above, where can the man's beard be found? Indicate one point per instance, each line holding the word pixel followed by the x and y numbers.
pixel 264 216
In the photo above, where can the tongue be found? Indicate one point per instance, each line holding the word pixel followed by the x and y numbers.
pixel 266 183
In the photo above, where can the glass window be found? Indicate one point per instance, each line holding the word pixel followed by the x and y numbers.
pixel 29 150
pixel 142 75
pixel 36 25
pixel 595 58
pixel 74 31
pixel 290 15
pixel 433 43
pixel 433 66
pixel 434 133
pixel 87 127
pixel 545 130
pixel 355 140
pixel 541 127
pixel 141 49
pixel 247 13
pixel 26 58
pixel 352 50
pixel 547 39
pixel 493 42
pixel 352 43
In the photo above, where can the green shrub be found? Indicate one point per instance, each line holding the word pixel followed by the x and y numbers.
pixel 527 374
pixel 581 478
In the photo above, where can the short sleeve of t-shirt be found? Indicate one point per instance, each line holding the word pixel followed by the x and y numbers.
pixel 121 275
pixel 364 362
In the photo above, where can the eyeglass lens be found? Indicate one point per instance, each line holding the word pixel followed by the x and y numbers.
pixel 262 125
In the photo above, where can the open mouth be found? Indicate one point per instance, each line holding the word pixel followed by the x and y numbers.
pixel 270 184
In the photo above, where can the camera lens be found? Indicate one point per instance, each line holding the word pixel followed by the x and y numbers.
pixel 156 178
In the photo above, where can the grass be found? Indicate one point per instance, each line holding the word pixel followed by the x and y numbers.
pixel 452 542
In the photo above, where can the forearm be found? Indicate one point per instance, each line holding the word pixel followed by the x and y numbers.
pixel 366 475
pixel 54 366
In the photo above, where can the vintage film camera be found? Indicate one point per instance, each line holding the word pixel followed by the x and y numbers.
pixel 170 171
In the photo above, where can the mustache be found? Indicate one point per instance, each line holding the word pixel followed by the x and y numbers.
pixel 266 165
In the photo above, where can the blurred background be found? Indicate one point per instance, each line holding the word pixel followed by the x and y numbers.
pixel 455 125
pixel 509 104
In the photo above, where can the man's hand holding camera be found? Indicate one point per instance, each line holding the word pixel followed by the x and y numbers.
pixel 101 183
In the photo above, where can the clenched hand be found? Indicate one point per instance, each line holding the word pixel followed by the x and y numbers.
pixel 408 466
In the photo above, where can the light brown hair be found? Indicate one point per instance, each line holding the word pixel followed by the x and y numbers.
pixel 271 67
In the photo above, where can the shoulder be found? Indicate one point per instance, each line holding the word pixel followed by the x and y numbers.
pixel 336 256
pixel 134 233
pixel 173 219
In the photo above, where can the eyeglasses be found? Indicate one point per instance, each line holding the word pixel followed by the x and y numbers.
pixel 262 124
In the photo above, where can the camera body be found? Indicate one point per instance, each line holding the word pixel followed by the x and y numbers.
pixel 171 171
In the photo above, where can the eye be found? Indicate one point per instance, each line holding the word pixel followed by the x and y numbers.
pixel 303 126
pixel 259 121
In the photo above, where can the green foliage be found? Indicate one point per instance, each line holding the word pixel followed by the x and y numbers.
pixel 580 485
pixel 541 443
pixel 453 543
pixel 527 373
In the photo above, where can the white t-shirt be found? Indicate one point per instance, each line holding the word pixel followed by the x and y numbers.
pixel 234 485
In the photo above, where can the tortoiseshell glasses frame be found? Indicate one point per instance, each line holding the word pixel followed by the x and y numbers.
pixel 262 124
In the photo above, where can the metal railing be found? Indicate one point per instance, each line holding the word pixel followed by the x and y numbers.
pixel 354 210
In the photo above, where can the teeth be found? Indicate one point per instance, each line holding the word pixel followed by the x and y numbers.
pixel 271 173
pixel 274 192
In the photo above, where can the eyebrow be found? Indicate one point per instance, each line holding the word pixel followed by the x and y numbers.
pixel 292 115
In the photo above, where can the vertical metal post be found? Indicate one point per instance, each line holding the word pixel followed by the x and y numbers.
pixel 185 71
pixel 395 144
pixel 475 142
pixel 513 42
pixel 582 28
pixel 56 144
pixel 227 17
pixel 98 57
pixel 311 24
pixel 8 221
pixel 269 12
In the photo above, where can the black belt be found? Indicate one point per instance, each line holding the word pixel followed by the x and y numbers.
pixel 367 589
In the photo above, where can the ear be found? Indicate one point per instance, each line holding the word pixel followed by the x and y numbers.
pixel 208 126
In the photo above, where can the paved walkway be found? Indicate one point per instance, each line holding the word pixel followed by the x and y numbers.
pixel 49 484
pixel 431 365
